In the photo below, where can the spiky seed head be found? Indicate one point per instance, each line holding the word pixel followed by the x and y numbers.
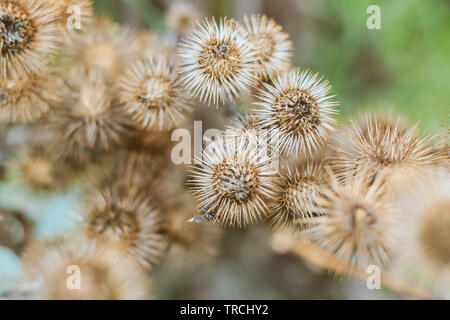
pixel 105 273
pixel 272 47
pixel 234 181
pixel 121 215
pixel 191 244
pixel 28 34
pixel 103 46
pixel 65 9
pixel 27 98
pixel 87 115
pixel 152 94
pixel 217 61
pixel 297 109
pixel 182 15
pixel 297 192
pixel 383 144
pixel 359 224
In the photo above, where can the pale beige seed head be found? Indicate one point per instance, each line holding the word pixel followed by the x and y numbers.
pixel 182 15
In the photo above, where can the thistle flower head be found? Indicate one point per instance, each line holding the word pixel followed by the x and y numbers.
pixel 182 15
pixel 120 214
pixel 28 34
pixel 25 99
pixel 271 45
pixel 297 109
pixel 233 182
pixel 105 273
pixel 87 115
pixel 152 94
pixel 297 193
pixel 359 222
pixel 383 144
pixel 217 61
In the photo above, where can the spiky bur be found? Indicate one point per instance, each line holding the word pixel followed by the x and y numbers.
pixel 105 273
pixel 384 144
pixel 191 244
pixel 359 225
pixel 234 181
pixel 152 94
pixel 28 35
pixel 182 15
pixel 37 169
pixel 272 47
pixel 120 214
pixel 87 115
pixel 102 46
pixel 297 109
pixel 27 98
pixel 217 61
pixel 299 185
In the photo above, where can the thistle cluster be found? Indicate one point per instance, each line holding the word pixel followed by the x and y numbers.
pixel 99 105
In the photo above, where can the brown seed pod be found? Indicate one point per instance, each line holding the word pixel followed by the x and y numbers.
pixel 297 111
pixel 120 214
pixel 152 94
pixel 234 181
pixel 217 61
pixel 28 35
pixel 359 225
pixel 105 274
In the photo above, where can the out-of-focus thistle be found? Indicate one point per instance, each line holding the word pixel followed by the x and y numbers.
pixel 87 114
pixel 297 194
pixel 28 34
pixel 234 181
pixel 217 61
pixel 15 229
pixel 25 99
pixel 105 273
pixel 65 9
pixel 359 223
pixel 121 215
pixel 272 47
pixel 182 15
pixel 382 144
pixel 191 244
pixel 152 93
pixel 298 110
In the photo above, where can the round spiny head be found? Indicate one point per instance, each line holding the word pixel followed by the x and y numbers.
pixel 295 206
pixel 102 46
pixel 87 115
pixel 152 94
pixel 182 15
pixel 25 99
pixel 383 144
pixel 217 61
pixel 120 214
pixel 191 244
pixel 233 182
pixel 297 111
pixel 28 34
pixel 105 274
pixel 272 47
pixel 359 223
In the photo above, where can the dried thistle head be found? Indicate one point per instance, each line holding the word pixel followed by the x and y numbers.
pixel 191 244
pixel 217 61
pixel 383 144
pixel 152 94
pixel 105 273
pixel 182 15
pixel 297 109
pixel 87 114
pixel 233 182
pixel 359 224
pixel 37 169
pixel 28 34
pixel 272 47
pixel 66 9
pixel 295 206
pixel 103 46
pixel 27 98
pixel 15 229
pixel 120 214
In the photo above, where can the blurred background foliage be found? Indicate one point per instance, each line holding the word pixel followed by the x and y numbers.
pixel 405 66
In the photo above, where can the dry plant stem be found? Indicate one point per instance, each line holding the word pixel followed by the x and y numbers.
pixel 308 251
